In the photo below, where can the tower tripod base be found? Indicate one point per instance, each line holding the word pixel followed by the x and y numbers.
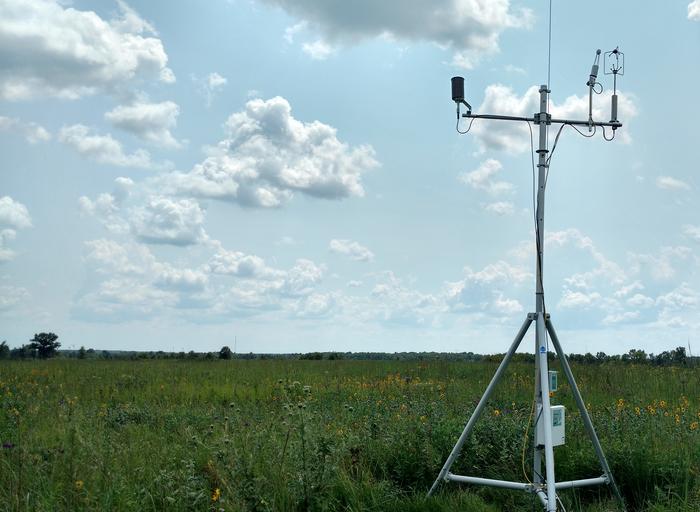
pixel 545 488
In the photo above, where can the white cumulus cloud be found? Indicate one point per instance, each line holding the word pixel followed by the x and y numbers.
pixel 694 10
pixel 269 155
pixel 692 232
pixel 318 50
pixel 32 132
pixel 240 264
pixel 291 31
pixel 107 207
pixel 483 178
pixel 163 220
pixel 13 216
pixel 104 149
pixel 671 183
pixel 470 28
pixel 49 49
pixel 150 122
pixel 485 290
pixel 209 86
pixel 500 208
pixel 352 249
pixel 578 299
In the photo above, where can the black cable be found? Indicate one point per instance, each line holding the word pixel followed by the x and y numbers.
pixel 556 139
pixel 469 128
pixel 605 137
pixel 595 129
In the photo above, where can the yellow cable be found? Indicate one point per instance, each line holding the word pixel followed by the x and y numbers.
pixel 527 430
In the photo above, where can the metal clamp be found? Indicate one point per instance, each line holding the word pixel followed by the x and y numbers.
pixel 538 118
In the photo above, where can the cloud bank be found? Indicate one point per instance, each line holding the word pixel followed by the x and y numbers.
pixel 51 50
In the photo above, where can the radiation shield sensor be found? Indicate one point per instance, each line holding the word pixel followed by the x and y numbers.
pixel 458 94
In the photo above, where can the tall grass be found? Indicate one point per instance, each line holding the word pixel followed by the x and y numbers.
pixel 326 435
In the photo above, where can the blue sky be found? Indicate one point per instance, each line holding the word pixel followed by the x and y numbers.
pixel 286 173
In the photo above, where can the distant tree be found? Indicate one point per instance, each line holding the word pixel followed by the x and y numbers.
pixel 106 354
pixel 678 356
pixel 4 350
pixel 225 353
pixel 637 356
pixel 82 353
pixel 23 352
pixel 663 359
pixel 45 344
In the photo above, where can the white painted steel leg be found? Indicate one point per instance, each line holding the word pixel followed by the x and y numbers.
pixel 586 482
pixel 482 403
pixel 587 423
pixel 504 484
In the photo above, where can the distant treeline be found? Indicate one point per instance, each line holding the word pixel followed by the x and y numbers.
pixel 675 357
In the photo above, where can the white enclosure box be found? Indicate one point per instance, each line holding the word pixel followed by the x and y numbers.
pixel 558 426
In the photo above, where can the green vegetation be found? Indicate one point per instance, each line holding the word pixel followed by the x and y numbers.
pixel 324 435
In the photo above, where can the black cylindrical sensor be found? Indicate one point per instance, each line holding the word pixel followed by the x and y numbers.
pixel 457 89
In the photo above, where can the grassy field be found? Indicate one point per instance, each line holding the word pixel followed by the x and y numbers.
pixel 282 435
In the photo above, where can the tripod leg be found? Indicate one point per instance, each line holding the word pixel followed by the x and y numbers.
pixel 588 424
pixel 482 403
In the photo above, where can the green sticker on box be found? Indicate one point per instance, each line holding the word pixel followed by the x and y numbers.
pixel 556 418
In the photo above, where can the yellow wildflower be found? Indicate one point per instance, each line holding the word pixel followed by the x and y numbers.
pixel 496 412
pixel 79 485
pixel 216 494
pixel 694 425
